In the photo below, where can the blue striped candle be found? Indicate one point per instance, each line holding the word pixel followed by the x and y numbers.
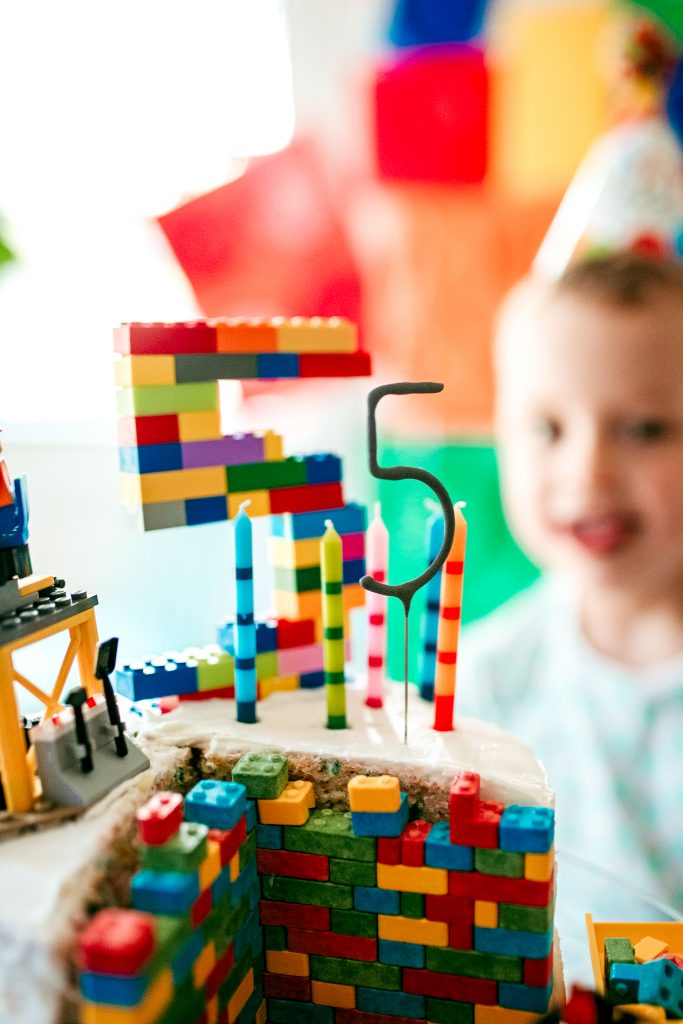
pixel 245 628
pixel 430 616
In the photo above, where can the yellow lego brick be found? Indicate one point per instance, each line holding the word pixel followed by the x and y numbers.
pixel 203 965
pixel 174 485
pixel 374 793
pixel 670 932
pixel 500 1015
pixel 211 1011
pixel 290 807
pixel 262 1013
pixel 235 868
pixel 409 929
pixel 284 553
pixel 538 867
pixel 301 334
pixel 156 1000
pixel 485 914
pixel 273 446
pixel 327 993
pixel 259 502
pixel 278 684
pixel 199 426
pixel 281 961
pixel 210 868
pixel 131 370
pixel 242 993
pixel 308 605
pixel 648 948
pixel 432 881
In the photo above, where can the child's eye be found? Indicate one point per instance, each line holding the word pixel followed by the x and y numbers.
pixel 546 429
pixel 646 431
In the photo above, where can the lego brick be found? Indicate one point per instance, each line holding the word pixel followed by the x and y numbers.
pixel 146 370
pixel 501 1015
pixel 413 840
pixel 330 833
pixel 171 398
pixel 154 1001
pixel 185 957
pixel 287 962
pixel 264 775
pixel 400 1004
pixel 278 365
pixel 275 937
pixel 259 503
pixel 351 518
pixel 481 828
pixel 534 945
pixel 291 915
pixel 239 998
pixel 321 894
pixel 420 22
pixel 403 954
pixel 199 425
pixel 352 364
pixel 354 922
pixel 287 986
pixel 306 498
pixel 164 338
pixel 269 837
pixel 150 458
pixel 538 867
pixel 159 818
pixel 524 918
pixel 293 865
pixel 406 879
pixel 485 914
pixel 356 972
pixel 266 636
pixel 317 335
pixel 134 431
pixel 354 947
pixel 167 674
pixel 169 892
pixel 506 863
pixel 175 485
pixel 206 510
pixel 538 972
pixel 445 1011
pixel 381 823
pixel 376 901
pixel 617 951
pixel 441 853
pixel 352 872
pixel 215 669
pixel 311 680
pixel 252 814
pixel 298 554
pixel 649 948
pixel 301 660
pixel 412 904
pixel 389 850
pixel 240 335
pixel 230 450
pixel 260 475
pixel 215 803
pixel 325 468
pixel 524 997
pixel 214 366
pixel 229 840
pixel 247 851
pixel 328 994
pixel 527 829
pixel 281 1011
pixel 117 941
pixel 450 986
pixel 500 890
pixel 278 684
pixel 308 578
pixel 363 1017
pixel 184 851
pixel 408 929
pixel 473 964
pixel 210 867
pixel 164 515
pixel 378 793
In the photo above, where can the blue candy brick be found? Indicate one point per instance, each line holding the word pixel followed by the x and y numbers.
pixel 376 901
pixel 216 803
pixel 246 934
pixel 323 469
pixel 167 675
pixel 274 365
pixel 527 829
pixel 399 1004
pixel 247 877
pixel 624 982
pixel 221 885
pixel 114 989
pixel 206 510
pixel 381 823
pixel 269 837
pixel 164 892
pixel 353 570
pixel 535 945
pixel 440 852
pixel 151 458
pixel 351 518
pixel 252 815
pixel 524 997
pixel 662 983
pixel 423 22
pixel 311 680
pixel 403 954
pixel 183 961
pixel 266 636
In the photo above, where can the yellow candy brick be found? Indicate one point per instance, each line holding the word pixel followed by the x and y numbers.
pixel 538 867
pixel 293 554
pixel 262 1013
pixel 290 807
pixel 199 426
pixel 211 1010
pixel 273 446
pixel 431 881
pixel 374 793
pixel 135 370
pixel 282 961
pixel 327 993
pixel 278 684
pixel 501 1015
pixel 485 914
pixel 174 485
pixel 301 334
pixel 648 948
pixel 154 1003
pixel 409 929
pixel 210 868
pixel 203 965
pixel 242 993
pixel 235 868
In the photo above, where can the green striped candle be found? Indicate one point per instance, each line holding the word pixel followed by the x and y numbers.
pixel 331 570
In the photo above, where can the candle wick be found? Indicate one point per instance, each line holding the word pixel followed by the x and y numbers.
pixel 461 504
pixel 378 509
pixel 329 524
pixel 244 504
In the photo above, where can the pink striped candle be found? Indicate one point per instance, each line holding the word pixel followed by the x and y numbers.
pixel 377 542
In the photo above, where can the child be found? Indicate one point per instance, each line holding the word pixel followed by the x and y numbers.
pixel 587 665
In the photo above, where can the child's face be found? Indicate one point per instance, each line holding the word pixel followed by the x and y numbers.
pixel 590 422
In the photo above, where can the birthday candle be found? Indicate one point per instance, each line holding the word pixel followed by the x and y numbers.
pixel 429 622
pixel 333 625
pixel 449 626
pixel 245 629
pixel 377 539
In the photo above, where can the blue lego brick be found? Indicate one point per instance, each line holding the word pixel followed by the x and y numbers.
pixel 269 837
pixel 216 803
pixel 524 997
pixel 114 989
pixel 351 518
pixel 164 892
pixel 440 852
pixel 274 365
pixel 662 984
pixel 353 570
pixel 311 680
pixel 206 510
pixel 623 983
pixel 534 945
pixel 158 677
pixel 221 885
pixel 323 469
pixel 266 636
pixel 246 935
pixel 423 22
pixel 151 458
pixel 381 823
pixel 399 1004
pixel 247 877
pixel 183 961
pixel 403 954
pixel 376 901
pixel 286 1011
pixel 527 829
pixel 252 815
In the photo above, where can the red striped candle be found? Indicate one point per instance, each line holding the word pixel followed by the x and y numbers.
pixel 449 626
pixel 377 543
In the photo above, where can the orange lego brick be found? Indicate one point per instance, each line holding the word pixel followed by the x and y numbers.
pixel 282 961
pixel 432 881
pixel 239 335
pixel 210 868
pixel 649 948
pixel 327 993
pixel 485 914
pixel 410 929
pixel 539 867
pixel 291 807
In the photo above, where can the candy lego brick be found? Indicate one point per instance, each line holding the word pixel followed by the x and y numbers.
pixel 499 1015
pixel 300 660
pixel 206 510
pixel 184 851
pixel 389 850
pixel 166 399
pixel 164 338
pixel 356 947
pixel 412 904
pixel 279 684
pixel 275 937
pixel 445 1011
pixel 252 814
pixel 184 959
pixel 281 1011
pixel 524 997
pixel 617 951
pixel 491 887
pixel 215 803
pixel 298 554
pixel 140 431
pixel 321 894
pixel 200 425
pixel 259 503
pixel 237 1001
pixel 464 795
pixel 247 851
pixel 159 818
pixel 240 335
pixel 266 636
pixel 661 983
pixel 376 901
pixel 353 364
pixel 351 518
pixel 150 458
pixel 539 867
pixel 229 840
pixel 374 793
pixel 155 999
pixel 649 948
pixel 485 914
pixel 505 863
pixel 352 872
pixel 363 1017
pixel 403 954
pixel 538 972
pixel 220 972
pixel 400 1004
pixel 527 829
pixel 287 986
pixel 117 941
pixel 264 775
pixel 306 498
pixel 287 962
pixel 175 485
pixel 330 833
pixel 260 475
pixel 450 986
pixel 530 919
pixel 278 365
pixel 311 680
pixel 201 908
pixel 269 837
pixel 413 840
pixel 215 669
pixel 291 807
pixel 317 335
pixel 229 450
pixel 409 929
pixel 158 677
pixel 210 868
pixel 534 945
pixel 293 865
pixel 481 829
pixel 473 964
pixel 441 853
pixel 354 922
pixel 292 916
pixel 169 892
pixel 204 964
pixel 325 993
pixel 406 879
pixel 294 633
pixel 215 366
pixel 325 468
pixel 356 972
pixel 146 370
pixel 460 935
pixel 381 823
pixel 420 22
pixel 164 515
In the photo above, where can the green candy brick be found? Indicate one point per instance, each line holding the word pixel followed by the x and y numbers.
pixel 354 922
pixel 355 972
pixel 353 872
pixel 296 890
pixel 275 937
pixel 474 965
pixel 247 850
pixel 286 1011
pixel 187 1003
pixel 264 775
pixel 166 399
pixel 184 851
pixel 215 672
pixel 505 863
pixel 330 833
pixel 444 1011
pixel 412 904
pixel 263 476
pixel 525 919
pixel 618 951
pixel 266 665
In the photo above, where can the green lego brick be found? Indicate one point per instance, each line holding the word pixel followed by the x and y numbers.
pixel 331 833
pixel 265 476
pixel 247 850
pixel 506 863
pixel 169 935
pixel 266 665
pixel 412 904
pixel 525 919
pixel 296 890
pixel 474 965
pixel 444 1011
pixel 186 1004
pixel 231 919
pixel 297 580
pixel 354 922
pixel 285 1011
pixel 184 851
pixel 352 872
pixel 275 937
pixel 215 672
pixel 166 399
pixel 618 951
pixel 265 775
pixel 355 972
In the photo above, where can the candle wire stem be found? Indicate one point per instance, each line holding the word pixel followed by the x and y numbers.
pixel 406 609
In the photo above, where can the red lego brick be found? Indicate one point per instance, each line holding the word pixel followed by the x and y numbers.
pixel 464 796
pixel 231 840
pixel 160 818
pixel 134 431
pixel 221 969
pixel 117 942
pixel 361 1017
pixel 286 986
pixel 495 889
pixel 538 972
pixel 201 908
pixel 295 633
pixel 333 364
pixel 389 851
pixel 450 986
pixel 413 843
pixel 481 829
pixel 352 947
pixel 293 865
pixel 294 915
pixel 449 908
pixel 165 339
pixel 306 498
pixel 222 693
pixel 460 935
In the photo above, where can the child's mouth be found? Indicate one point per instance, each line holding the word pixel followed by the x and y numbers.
pixel 603 534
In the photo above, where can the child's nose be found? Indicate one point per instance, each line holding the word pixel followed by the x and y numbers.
pixel 596 463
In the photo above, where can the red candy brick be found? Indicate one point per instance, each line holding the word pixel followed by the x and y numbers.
pixel 167 339
pixel 160 818
pixel 117 942
pixel 294 915
pixel 333 364
pixel 450 986
pixel 360 1017
pixel 141 430
pixel 413 843
pixel 200 908
pixel 449 908
pixel 353 947
pixel 389 851
pixel 220 971
pixel 306 498
pixel 231 840
pixel 295 633
pixel 461 935
pixel 495 889
pixel 537 972
pixel 293 865
pixel 286 986
pixel 481 829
